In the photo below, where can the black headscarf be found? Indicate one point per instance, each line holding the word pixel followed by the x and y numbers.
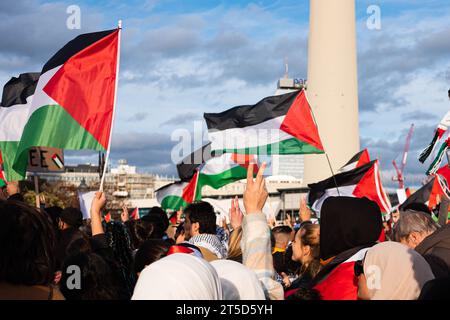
pixel 346 223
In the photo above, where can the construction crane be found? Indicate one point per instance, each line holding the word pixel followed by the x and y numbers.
pixel 399 177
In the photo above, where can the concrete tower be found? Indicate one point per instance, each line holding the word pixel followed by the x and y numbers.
pixel 332 84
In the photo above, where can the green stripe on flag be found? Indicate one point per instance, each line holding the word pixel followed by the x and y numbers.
pixel 173 202
pixel 288 146
pixel 56 129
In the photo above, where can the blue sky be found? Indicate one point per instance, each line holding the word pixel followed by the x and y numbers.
pixel 181 58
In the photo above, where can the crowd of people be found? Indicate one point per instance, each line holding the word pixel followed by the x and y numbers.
pixel 53 254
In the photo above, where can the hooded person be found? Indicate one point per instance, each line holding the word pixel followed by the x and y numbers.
pixel 392 271
pixel 348 227
pixel 69 223
pixel 178 277
pixel 238 281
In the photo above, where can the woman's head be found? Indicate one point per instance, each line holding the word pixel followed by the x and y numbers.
pixel 96 280
pixel 27 250
pixel 234 246
pixel 149 252
pixel 178 277
pixel 306 246
pixel 391 271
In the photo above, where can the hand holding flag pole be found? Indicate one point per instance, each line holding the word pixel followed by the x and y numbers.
pixel 105 164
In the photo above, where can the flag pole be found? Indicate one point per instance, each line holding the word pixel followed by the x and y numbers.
pixel 105 165
pixel 326 154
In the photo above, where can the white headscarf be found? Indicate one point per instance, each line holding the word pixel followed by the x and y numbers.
pixel 178 277
pixel 395 272
pixel 238 281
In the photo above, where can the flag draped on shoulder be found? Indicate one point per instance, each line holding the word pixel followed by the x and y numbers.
pixel 15 106
pixel 73 102
pixel 280 124
pixel 363 181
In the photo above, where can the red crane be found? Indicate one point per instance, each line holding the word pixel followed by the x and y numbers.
pixel 399 177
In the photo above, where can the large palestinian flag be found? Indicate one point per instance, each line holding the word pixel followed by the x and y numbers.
pixel 360 182
pixel 358 160
pixel 15 106
pixel 280 124
pixel 188 166
pixel 73 103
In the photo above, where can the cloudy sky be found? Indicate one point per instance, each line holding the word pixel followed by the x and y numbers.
pixel 181 58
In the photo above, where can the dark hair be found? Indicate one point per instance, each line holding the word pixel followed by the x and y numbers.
pixel 140 231
pixel 282 230
pixel 305 294
pixel 118 240
pixel 54 213
pixel 203 213
pixel 179 231
pixel 27 250
pixel 416 206
pixel 149 252
pixel 97 280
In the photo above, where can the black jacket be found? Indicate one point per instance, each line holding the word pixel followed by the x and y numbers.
pixel 436 250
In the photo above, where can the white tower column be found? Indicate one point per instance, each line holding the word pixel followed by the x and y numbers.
pixel 332 84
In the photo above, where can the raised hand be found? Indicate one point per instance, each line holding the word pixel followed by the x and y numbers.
pixel 125 215
pixel 305 213
pixel 255 194
pixel 236 215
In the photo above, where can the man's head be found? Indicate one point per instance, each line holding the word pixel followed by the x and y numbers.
pixel 12 187
pixel 70 218
pixel 282 236
pixel 199 218
pixel 413 227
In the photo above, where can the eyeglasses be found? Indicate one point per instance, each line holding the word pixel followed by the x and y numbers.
pixel 359 268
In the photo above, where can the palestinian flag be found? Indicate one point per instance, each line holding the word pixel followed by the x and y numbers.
pixel 359 159
pixel 432 192
pixel 14 109
pixel 135 214
pixel 178 194
pixel 360 182
pixel 280 124
pixel 73 103
pixel 107 217
pixel 188 166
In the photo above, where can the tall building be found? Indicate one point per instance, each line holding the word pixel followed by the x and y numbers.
pixel 332 84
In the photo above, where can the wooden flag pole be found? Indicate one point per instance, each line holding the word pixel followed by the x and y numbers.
pixel 105 165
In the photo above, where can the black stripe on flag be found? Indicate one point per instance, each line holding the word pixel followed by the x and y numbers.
pixel 348 178
pixel 186 168
pixel 355 158
pixel 73 47
pixel 420 196
pixel 17 90
pixel 249 115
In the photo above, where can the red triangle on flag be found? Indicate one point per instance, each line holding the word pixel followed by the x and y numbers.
pixel 190 191
pixel 135 214
pixel 85 85
pixel 108 217
pixel 300 124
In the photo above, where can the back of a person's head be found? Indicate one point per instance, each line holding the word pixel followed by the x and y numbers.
pixel 79 242
pixel 119 241
pixel 178 276
pixel 347 223
pixel 413 221
pixel 149 252
pixel 281 235
pixel 72 217
pixel 140 231
pixel 203 213
pixel 158 221
pixel 96 282
pixel 27 250
pixel 54 212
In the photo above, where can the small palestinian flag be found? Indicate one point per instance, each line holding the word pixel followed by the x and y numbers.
pixel 434 166
pixel 135 214
pixel 57 160
pixel 108 217
pixel 431 193
pixel 280 124
pixel 360 182
pixel 438 133
pixel 15 107
pixel 178 194
pixel 359 159
pixel 73 103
